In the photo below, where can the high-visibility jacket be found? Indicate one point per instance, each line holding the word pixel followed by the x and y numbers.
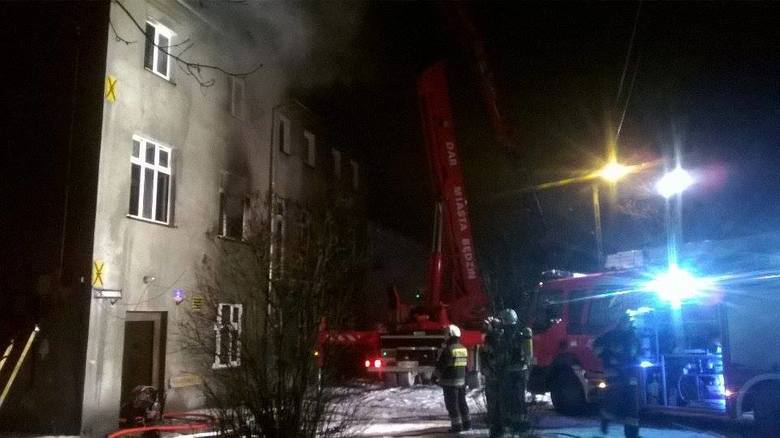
pixel 451 365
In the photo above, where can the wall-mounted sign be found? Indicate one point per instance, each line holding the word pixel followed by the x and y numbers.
pixel 197 303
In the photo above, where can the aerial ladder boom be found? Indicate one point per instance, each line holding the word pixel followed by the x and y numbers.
pixel 453 247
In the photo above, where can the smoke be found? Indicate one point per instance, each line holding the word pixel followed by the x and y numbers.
pixel 314 43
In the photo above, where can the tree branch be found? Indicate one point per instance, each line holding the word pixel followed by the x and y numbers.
pixel 192 68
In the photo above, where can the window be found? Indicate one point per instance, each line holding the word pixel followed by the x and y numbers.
pixel 232 215
pixel 311 148
pixel 150 181
pixel 237 101
pixel 277 243
pixel 233 207
pixel 355 174
pixel 283 140
pixel 228 336
pixel 158 42
pixel 336 163
pixel 549 309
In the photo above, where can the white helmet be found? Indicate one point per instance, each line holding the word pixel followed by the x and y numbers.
pixel 453 331
pixel 508 317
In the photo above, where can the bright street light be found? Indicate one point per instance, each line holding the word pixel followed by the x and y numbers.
pixel 613 171
pixel 674 182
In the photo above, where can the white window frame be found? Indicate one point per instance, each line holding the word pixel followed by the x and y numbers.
pixel 160 29
pixel 140 160
pixel 336 162
pixel 238 98
pixel 234 329
pixel 311 148
pixel 284 143
pixel 355 174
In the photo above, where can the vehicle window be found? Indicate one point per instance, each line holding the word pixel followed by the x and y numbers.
pixel 599 315
pixel 605 309
pixel 549 308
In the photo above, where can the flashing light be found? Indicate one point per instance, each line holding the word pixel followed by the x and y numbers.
pixel 728 393
pixel 674 182
pixel 377 363
pixel 368 363
pixel 316 353
pixel 677 285
pixel 646 364
pixel 602 385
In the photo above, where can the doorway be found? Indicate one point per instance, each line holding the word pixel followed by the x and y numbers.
pixel 143 356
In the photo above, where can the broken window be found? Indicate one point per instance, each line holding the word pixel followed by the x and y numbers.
pixel 228 335
pixel 233 207
pixel 150 181
pixel 158 43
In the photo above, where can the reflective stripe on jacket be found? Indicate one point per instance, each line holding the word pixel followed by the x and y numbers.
pixel 451 365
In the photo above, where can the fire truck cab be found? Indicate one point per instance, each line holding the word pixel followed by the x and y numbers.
pixel 708 336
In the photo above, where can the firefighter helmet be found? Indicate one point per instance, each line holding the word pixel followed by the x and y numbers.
pixel 453 331
pixel 508 317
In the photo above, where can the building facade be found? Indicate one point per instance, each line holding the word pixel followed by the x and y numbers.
pixel 187 155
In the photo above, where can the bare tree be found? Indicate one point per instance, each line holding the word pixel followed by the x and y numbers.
pixel 264 300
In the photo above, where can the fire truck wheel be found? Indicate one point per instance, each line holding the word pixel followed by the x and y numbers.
pixel 567 395
pixel 767 411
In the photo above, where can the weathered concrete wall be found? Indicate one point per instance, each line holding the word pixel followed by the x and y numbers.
pixel 206 141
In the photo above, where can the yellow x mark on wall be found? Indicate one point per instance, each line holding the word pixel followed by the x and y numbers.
pixel 111 88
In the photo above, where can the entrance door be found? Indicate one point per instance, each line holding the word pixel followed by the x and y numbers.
pixel 143 358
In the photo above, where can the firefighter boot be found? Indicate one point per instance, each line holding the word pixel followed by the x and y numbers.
pixel 456 426
pixel 466 425
pixel 631 431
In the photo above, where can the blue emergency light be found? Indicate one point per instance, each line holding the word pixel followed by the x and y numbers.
pixel 677 285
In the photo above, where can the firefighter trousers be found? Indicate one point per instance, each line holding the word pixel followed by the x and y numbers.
pixel 457 408
pixel 621 403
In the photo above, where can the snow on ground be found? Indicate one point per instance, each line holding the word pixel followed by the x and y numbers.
pixel 396 411
pixel 419 412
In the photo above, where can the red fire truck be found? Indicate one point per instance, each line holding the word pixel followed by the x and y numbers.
pixel 707 327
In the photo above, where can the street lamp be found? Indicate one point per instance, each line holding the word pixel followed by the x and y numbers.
pixel 674 183
pixel 612 172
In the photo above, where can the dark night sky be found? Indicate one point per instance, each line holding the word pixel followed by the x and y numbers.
pixel 706 78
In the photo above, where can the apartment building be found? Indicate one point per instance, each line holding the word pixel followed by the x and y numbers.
pixel 187 153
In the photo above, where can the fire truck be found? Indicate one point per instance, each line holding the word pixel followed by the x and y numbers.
pixel 707 328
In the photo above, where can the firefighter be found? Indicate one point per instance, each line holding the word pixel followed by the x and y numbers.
pixel 618 350
pixel 492 370
pixel 451 375
pixel 516 342
pixel 507 356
